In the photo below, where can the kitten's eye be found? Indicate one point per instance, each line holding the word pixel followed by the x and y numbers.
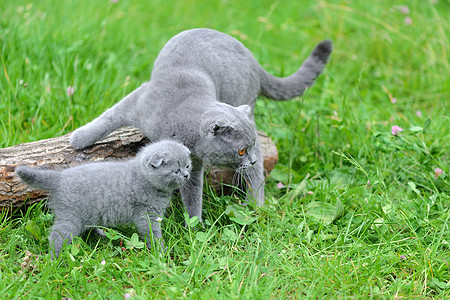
pixel 242 151
pixel 177 171
pixel 188 166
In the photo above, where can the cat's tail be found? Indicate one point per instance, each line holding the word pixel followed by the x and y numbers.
pixel 295 85
pixel 121 114
pixel 39 178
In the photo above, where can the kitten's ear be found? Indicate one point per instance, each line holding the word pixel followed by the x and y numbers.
pixel 155 160
pixel 245 109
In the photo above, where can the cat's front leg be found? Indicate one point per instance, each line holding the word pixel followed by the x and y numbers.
pixel 96 130
pixel 192 190
pixel 143 226
pixel 254 178
pixel 121 114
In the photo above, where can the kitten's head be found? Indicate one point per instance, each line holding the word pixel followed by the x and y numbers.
pixel 166 164
pixel 229 137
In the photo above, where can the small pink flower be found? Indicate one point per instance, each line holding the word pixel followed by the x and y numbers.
pixel 437 172
pixel 396 130
pixel 280 185
pixel 408 21
pixel 103 262
pixel 402 257
pixel 130 293
pixel 419 113
pixel 70 91
pixel 394 100
pixel 114 1
pixel 404 9
pixel 310 192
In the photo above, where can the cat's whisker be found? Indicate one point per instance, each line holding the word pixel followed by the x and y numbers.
pixel 235 179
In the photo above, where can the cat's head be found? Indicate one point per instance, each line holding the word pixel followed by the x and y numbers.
pixel 166 164
pixel 229 137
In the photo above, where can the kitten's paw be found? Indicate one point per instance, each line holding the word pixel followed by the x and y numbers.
pixel 79 139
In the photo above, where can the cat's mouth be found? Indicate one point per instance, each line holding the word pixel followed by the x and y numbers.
pixel 245 167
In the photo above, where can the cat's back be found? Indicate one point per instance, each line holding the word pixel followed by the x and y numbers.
pixel 201 43
pixel 225 60
pixel 94 179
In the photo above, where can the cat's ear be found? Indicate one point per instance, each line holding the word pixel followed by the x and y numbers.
pixel 216 127
pixel 155 160
pixel 220 128
pixel 246 109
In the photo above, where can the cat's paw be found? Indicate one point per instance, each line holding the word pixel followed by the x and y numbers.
pixel 79 140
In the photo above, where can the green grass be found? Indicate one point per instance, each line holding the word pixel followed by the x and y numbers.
pixel 361 215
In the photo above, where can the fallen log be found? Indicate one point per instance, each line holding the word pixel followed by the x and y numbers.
pixel 56 153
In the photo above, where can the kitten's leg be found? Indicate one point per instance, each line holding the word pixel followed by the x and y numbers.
pixel 254 178
pixel 192 190
pixel 121 114
pixel 142 223
pixel 62 231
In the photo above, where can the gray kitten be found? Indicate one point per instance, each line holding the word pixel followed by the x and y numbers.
pixel 113 193
pixel 202 93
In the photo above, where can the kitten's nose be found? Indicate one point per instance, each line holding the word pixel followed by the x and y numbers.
pixel 253 162
pixel 186 175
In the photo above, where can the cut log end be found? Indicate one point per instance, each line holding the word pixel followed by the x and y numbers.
pixel 56 153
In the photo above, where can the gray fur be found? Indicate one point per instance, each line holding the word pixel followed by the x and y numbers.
pixel 202 92
pixel 113 193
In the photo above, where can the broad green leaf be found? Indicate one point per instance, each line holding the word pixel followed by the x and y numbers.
pixel 246 220
pixel 416 129
pixel 308 236
pixel 134 242
pixel 299 188
pixel 439 284
pixel 229 235
pixel 324 212
pixel 34 229
pixel 202 237
pixel 75 249
pixel 284 174
pixel 412 185
pixel 239 214
pixel 234 211
pixel 191 222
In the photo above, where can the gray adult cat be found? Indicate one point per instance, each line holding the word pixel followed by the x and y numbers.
pixel 113 193
pixel 202 93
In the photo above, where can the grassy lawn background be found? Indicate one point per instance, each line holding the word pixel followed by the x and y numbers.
pixel 352 211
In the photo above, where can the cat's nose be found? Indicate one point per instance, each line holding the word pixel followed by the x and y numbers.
pixel 253 162
pixel 186 175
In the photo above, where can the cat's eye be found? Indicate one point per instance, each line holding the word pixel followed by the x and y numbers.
pixel 242 151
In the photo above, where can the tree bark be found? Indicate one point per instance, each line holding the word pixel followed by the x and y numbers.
pixel 56 153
